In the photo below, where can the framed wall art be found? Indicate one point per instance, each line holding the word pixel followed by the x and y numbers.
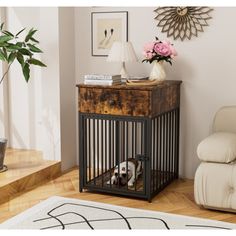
pixel 107 27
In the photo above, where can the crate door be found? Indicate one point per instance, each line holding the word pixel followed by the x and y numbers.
pixel 111 148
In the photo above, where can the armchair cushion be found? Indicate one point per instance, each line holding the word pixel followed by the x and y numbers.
pixel 218 147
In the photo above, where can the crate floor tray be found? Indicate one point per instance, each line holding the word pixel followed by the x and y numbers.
pixel 160 177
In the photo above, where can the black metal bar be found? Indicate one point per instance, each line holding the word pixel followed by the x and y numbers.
pixel 171 145
pixel 167 149
pixel 123 141
pixel 147 153
pixel 102 157
pixel 85 150
pixel 89 149
pixel 143 139
pixel 132 139
pixel 153 155
pixel 175 139
pixel 94 152
pixel 117 130
pixel 98 153
pixel 110 168
pixel 112 143
pixel 142 134
pixel 105 154
pixel 136 138
pixel 157 153
pixel 81 153
pixel 134 152
pixel 126 147
pixel 174 142
pixel 177 143
pixel 161 150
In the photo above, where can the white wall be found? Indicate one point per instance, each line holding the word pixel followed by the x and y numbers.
pixel 206 65
pixel 48 133
pixel 4 108
pixel 68 104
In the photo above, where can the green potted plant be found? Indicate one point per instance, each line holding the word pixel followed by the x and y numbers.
pixel 13 48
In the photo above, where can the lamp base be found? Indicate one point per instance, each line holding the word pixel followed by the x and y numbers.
pixel 123 72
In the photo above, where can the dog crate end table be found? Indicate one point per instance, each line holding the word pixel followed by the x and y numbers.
pixel 120 122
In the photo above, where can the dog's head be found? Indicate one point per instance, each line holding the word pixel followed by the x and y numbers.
pixel 122 175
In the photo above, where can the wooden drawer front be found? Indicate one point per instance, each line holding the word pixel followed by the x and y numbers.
pixel 114 101
pixel 165 99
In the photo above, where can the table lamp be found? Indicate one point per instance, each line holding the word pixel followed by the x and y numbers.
pixel 122 52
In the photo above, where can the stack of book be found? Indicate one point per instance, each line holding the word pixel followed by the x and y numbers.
pixel 102 79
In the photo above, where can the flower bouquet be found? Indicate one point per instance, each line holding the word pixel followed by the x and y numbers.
pixel 156 52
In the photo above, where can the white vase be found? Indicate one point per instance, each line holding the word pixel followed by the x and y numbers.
pixel 157 72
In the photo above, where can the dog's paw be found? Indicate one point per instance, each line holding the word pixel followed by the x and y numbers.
pixel 130 184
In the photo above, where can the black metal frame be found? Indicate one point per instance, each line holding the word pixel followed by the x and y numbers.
pixel 108 140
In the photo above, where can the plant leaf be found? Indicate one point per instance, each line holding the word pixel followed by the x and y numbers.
pixel 30 34
pixel 25 51
pixel 33 48
pixel 34 40
pixel 8 33
pixel 26 72
pixel 2 56
pixel 12 46
pixel 11 57
pixel 5 38
pixel 20 44
pixel 20 32
pixel 36 62
pixel 20 59
pixel 169 62
pixel 3 44
pixel 1 27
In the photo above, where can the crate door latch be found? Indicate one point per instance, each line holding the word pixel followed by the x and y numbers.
pixel 141 157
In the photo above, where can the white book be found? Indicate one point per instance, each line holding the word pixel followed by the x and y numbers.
pixel 102 77
pixel 112 80
pixel 101 82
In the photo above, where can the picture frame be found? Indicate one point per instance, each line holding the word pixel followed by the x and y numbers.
pixel 106 28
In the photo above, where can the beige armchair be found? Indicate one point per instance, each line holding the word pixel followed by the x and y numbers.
pixel 215 178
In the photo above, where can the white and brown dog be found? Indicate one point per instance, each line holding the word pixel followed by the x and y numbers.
pixel 119 176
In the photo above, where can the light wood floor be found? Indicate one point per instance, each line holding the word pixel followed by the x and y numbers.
pixel 22 163
pixel 177 198
pixel 26 168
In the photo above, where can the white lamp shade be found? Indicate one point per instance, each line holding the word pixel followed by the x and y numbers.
pixel 122 52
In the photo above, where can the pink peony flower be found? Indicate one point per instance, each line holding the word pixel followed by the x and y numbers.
pixel 163 48
pixel 172 49
pixel 159 50
pixel 148 55
pixel 148 47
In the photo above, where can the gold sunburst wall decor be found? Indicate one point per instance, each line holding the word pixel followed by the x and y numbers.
pixel 182 22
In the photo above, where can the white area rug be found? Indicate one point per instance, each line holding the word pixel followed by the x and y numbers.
pixel 67 213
